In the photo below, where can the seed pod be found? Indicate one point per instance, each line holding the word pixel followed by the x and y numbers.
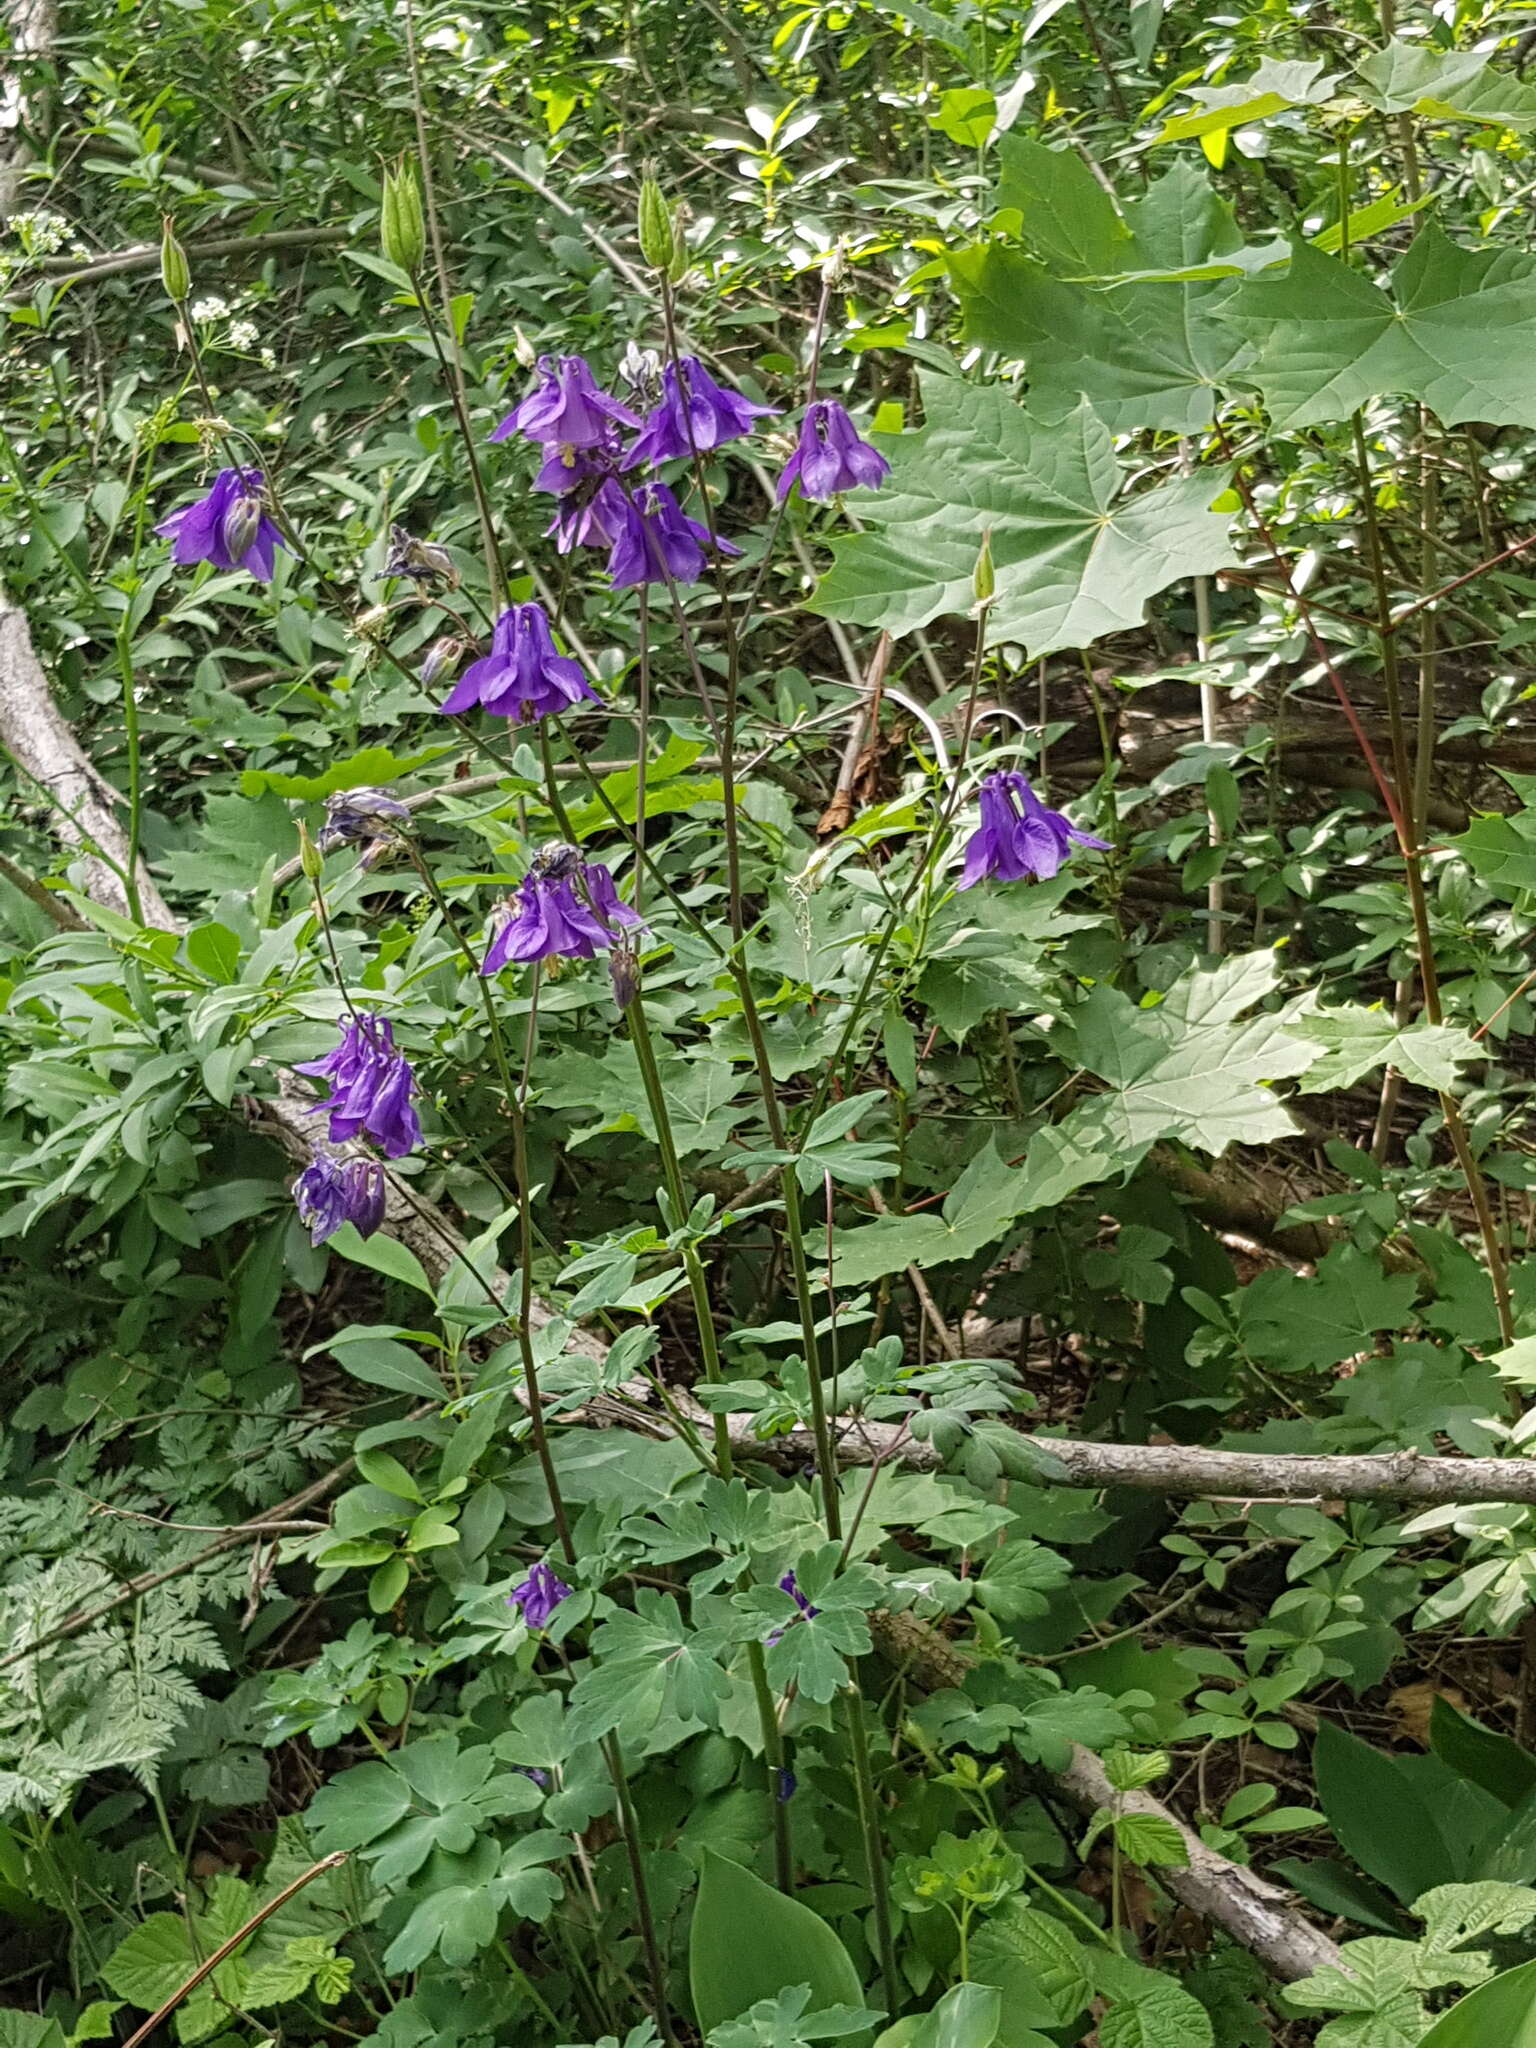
pixel 175 271
pixel 658 242
pixel 402 226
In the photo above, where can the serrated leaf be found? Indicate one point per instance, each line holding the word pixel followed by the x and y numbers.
pixel 1357 1041
pixel 1446 85
pixel 1149 1838
pixel 1455 331
pixel 1075 557
pixel 1162 2014
pixel 1310 1322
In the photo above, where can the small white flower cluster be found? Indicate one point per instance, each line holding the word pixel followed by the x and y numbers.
pixel 40 233
pixel 205 311
pixel 243 334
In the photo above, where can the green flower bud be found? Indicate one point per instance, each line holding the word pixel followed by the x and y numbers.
pixel 658 240
pixel 984 576
pixel 175 273
pixel 402 226
pixel 309 855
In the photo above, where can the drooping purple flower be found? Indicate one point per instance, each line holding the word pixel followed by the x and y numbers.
pixel 830 456
pixel 1019 836
pixel 227 527
pixel 523 677
pixel 788 1585
pixel 566 406
pixel 331 1192
pixel 658 542
pixel 565 469
pixel 695 415
pixel 785 1783
pixel 565 908
pixel 590 518
pixel 355 815
pixel 539 1595
pixel 539 1776
pixel 371 1087
pixel 419 561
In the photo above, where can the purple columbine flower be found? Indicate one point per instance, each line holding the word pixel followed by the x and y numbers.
pixel 830 456
pixel 355 815
pixel 539 1595
pixel 566 406
pixel 372 1087
pixel 658 542
pixel 788 1585
pixel 523 677
pixel 565 469
pixel 227 527
pixel 1019 836
pixel 695 415
pixel 590 519
pixel 335 1191
pixel 565 908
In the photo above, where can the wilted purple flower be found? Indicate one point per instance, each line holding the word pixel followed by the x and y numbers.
pixel 335 1191
pixel 539 1777
pixel 539 1595
pixel 227 527
pixel 785 1784
pixel 830 456
pixel 523 677
pixel 354 815
pixel 788 1585
pixel 568 911
pixel 658 542
pixel 1019 836
pixel 419 561
pixel 695 415
pixel 565 406
pixel 372 1087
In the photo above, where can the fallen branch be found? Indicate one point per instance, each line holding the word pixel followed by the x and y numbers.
pixel 1255 1913
pixel 64 270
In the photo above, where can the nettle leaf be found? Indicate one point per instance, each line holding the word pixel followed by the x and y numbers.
pixel 1148 1838
pixel 1158 2014
pixel 1455 331
pixel 1025 1951
pixel 1145 353
pixel 1075 556
pixel 1308 1323
pixel 1445 85
pixel 1357 1041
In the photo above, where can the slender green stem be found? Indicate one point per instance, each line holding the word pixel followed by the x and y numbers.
pixel 775 1766
pixel 472 962
pixel 874 1847
pixel 654 1965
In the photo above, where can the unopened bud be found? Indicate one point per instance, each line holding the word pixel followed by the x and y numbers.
pixel 175 272
pixel 984 577
pixel 402 226
pixel 242 523
pixel 527 355
pixel 441 658
pixel 658 242
pixel 834 265
pixel 309 855
pixel 624 973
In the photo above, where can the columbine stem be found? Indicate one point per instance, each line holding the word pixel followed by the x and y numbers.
pixel 874 1847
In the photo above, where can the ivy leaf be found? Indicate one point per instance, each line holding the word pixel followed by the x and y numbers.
pixel 1357 1041
pixel 1455 331
pixel 1445 85
pixel 1074 556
